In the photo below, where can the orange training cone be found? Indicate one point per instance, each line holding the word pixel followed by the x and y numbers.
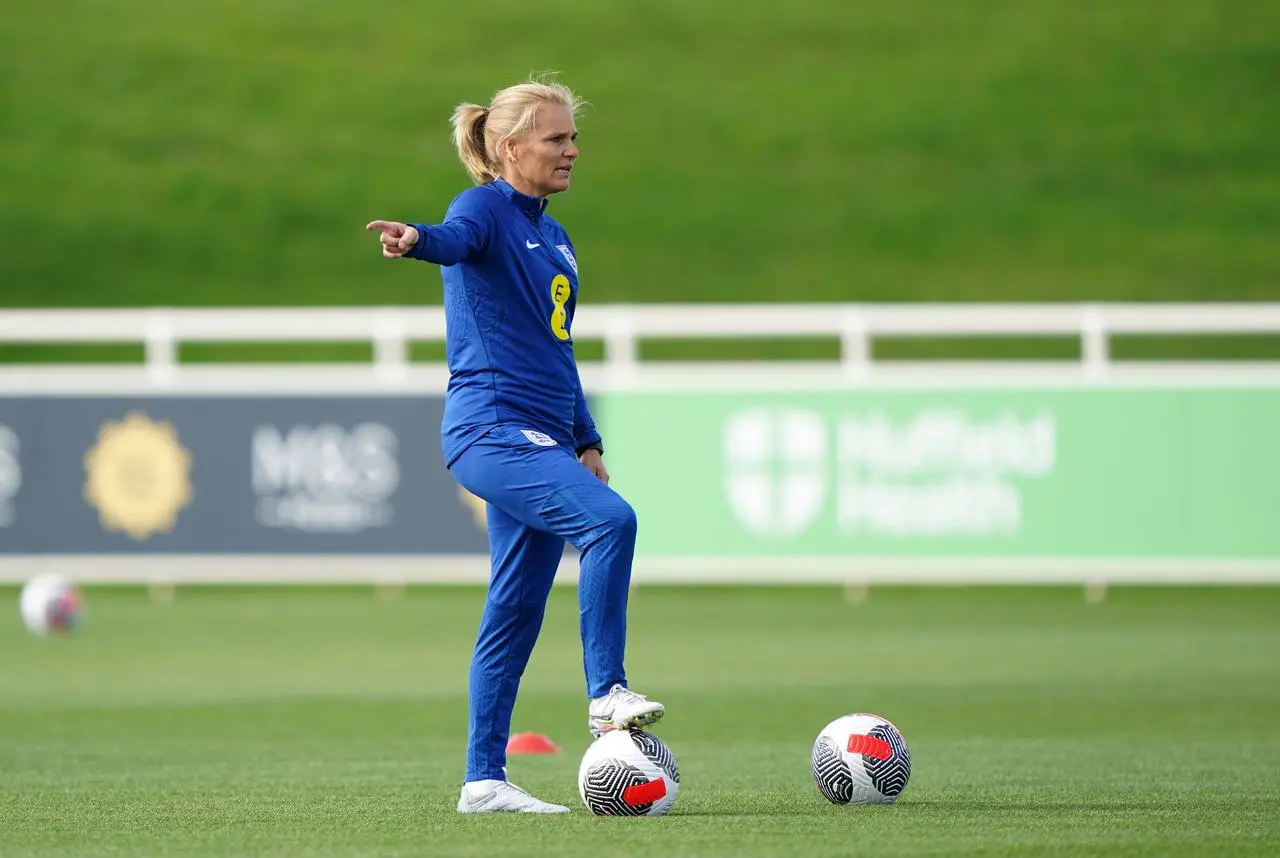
pixel 531 743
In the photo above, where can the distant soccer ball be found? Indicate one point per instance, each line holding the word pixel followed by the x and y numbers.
pixel 861 759
pixel 50 604
pixel 628 773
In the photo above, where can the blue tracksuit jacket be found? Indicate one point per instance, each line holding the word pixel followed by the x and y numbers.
pixel 510 291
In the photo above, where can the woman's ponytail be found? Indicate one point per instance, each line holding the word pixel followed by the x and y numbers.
pixel 468 137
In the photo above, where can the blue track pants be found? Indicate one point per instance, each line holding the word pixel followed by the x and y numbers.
pixel 540 497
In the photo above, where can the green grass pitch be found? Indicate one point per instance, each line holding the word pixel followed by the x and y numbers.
pixel 330 722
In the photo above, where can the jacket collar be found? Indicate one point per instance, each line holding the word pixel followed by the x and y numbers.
pixel 531 206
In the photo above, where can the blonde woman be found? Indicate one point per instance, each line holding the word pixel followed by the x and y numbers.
pixel 517 431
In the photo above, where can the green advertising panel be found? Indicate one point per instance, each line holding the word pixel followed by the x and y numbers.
pixel 1090 473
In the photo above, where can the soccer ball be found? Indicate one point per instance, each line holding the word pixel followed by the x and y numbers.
pixel 628 773
pixel 861 759
pixel 50 604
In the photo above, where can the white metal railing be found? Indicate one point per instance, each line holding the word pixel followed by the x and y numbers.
pixel 622 326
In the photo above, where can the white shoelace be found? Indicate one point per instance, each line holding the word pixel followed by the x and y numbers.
pixel 629 696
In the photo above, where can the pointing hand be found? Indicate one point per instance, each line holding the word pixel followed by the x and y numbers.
pixel 397 238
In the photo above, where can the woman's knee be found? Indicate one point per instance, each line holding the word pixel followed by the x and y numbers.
pixel 614 519
pixel 622 517
pixel 586 514
pixel 614 524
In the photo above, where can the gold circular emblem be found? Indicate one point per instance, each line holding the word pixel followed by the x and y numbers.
pixel 138 476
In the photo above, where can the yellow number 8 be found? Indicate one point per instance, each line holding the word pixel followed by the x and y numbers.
pixel 560 292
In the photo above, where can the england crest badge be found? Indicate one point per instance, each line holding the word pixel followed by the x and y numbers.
pixel 568 254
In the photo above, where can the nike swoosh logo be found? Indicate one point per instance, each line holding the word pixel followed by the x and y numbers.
pixel 482 800
pixel 529 244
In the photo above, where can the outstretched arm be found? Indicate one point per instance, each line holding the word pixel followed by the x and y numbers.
pixel 464 233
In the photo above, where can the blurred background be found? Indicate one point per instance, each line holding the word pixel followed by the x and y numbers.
pixel 872 294
pixel 231 153
pixel 1089 165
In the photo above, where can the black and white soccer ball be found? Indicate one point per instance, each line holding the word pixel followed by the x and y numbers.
pixel 861 759
pixel 628 773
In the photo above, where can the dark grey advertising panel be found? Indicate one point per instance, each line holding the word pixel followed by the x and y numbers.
pixel 234 475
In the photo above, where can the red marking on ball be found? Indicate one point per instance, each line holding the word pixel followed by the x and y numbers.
pixel 870 746
pixel 646 793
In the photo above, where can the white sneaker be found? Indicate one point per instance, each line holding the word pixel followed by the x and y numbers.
pixel 622 709
pixel 494 796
